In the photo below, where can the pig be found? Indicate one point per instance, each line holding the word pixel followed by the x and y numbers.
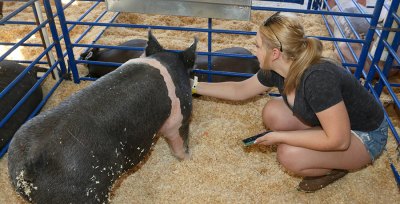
pixel 111 55
pixel 242 65
pixel 9 70
pixel 74 152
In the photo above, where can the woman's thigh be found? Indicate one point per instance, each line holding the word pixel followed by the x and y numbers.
pixel 277 116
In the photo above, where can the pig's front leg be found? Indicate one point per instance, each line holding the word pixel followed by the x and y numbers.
pixel 175 141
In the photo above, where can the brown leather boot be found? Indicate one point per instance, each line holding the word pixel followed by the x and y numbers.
pixel 311 184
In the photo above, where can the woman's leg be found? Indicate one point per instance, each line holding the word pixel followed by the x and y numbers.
pixel 277 116
pixel 306 162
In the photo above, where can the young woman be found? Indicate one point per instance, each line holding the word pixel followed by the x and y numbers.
pixel 325 123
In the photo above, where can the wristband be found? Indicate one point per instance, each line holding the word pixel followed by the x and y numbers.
pixel 195 82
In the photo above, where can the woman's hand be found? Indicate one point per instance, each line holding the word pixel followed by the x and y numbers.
pixel 268 139
pixel 235 91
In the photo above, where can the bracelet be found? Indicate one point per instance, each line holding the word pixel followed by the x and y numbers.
pixel 195 82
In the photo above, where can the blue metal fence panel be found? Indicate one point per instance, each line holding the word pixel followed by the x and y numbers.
pixel 319 8
pixel 376 88
pixel 37 27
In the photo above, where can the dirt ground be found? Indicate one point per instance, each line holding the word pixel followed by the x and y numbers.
pixel 220 170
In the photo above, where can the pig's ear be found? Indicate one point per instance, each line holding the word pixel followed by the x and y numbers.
pixel 152 45
pixel 189 55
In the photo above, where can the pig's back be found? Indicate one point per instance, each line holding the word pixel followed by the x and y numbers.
pixel 93 136
pixel 8 72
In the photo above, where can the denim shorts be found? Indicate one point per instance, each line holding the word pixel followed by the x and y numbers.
pixel 375 140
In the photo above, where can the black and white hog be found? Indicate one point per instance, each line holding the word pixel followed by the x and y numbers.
pixel 9 70
pixel 74 152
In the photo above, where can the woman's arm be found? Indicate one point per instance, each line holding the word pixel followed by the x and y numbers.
pixel 232 90
pixel 333 135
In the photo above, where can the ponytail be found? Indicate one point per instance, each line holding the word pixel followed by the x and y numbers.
pixel 310 53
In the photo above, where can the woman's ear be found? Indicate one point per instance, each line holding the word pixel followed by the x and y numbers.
pixel 276 53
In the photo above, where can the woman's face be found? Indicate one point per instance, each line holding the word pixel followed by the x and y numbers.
pixel 261 53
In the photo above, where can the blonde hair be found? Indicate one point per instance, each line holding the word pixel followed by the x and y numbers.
pixel 286 33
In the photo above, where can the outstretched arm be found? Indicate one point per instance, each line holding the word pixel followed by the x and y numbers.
pixel 232 90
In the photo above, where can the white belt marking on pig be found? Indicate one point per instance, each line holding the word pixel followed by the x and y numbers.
pixel 170 128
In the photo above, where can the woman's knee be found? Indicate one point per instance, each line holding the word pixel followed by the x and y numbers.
pixel 288 157
pixel 278 117
pixel 273 115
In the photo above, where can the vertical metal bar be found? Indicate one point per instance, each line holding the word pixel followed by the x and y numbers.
pixel 368 39
pixel 67 40
pixel 209 49
pixel 388 64
pixel 380 46
pixel 53 29
pixel 45 38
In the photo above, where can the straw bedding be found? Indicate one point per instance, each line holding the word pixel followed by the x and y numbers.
pixel 221 170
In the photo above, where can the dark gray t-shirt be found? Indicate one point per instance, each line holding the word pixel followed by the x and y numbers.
pixel 324 85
